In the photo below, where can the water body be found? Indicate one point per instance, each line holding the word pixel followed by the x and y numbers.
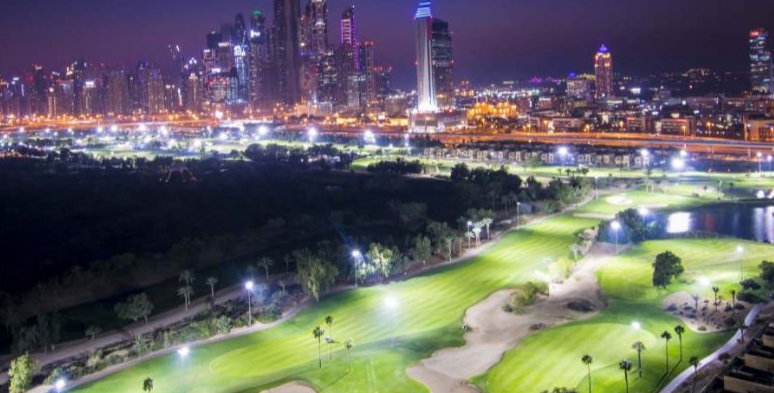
pixel 745 221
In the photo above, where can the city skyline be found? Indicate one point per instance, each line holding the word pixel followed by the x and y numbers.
pixel 641 46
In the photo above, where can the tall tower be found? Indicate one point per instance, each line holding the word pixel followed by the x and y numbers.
pixel 603 70
pixel 287 14
pixel 761 76
pixel 315 29
pixel 423 34
pixel 443 62
pixel 349 33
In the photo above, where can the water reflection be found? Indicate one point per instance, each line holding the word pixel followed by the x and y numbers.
pixel 746 222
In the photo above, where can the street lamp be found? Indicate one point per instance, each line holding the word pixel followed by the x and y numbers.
pixel 563 154
pixel 645 155
pixel 356 255
pixel 739 252
pixel 518 214
pixel 263 131
pixel 312 134
pixel 616 227
pixel 249 287
pixel 596 186
pixel 183 354
pixel 643 211
pixel 59 385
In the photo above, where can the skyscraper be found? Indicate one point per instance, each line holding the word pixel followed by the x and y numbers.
pixel 259 58
pixel 603 71
pixel 423 33
pixel 761 76
pixel 349 34
pixel 286 24
pixel 315 30
pixel 443 62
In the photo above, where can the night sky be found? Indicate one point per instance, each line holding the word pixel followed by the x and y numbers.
pixel 493 39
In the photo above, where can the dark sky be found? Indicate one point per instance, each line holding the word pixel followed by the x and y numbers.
pixel 494 39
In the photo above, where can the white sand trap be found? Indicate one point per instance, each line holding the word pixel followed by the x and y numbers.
pixel 619 200
pixel 292 387
pixel 494 331
pixel 595 216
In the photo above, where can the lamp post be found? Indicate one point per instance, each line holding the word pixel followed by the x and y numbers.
pixel 249 287
pixel 596 187
pixel 739 252
pixel 356 255
pixel 563 154
pixel 183 354
pixel 616 227
pixel 518 214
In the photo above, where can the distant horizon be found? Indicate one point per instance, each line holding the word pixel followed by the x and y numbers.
pixel 494 40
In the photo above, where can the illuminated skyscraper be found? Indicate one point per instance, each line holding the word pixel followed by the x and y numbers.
pixel 349 34
pixel 287 14
pixel 423 34
pixel 314 30
pixel 761 76
pixel 603 71
pixel 443 62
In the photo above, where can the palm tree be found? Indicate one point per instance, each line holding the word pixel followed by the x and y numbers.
pixel 282 285
pixel 488 221
pixel 212 282
pixel 680 330
pixel 588 360
pixel 329 322
pixel 694 361
pixel 318 332
pixel 477 232
pixel 266 263
pixel 147 385
pixel 715 290
pixel 733 300
pixel 625 366
pixel 696 299
pixel 666 336
pixel 639 346
pixel 449 241
pixel 288 259
pixel 187 277
pixel 185 292
pixel 470 235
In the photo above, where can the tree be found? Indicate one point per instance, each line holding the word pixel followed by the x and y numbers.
pixel 329 322
pixel 666 267
pixel 694 361
pixel 716 290
pixel 187 277
pixel 625 366
pixel 266 263
pixel 422 250
pixel 282 283
pixel 487 221
pixel 92 332
pixel 383 258
pixel 588 360
pixel 767 272
pixel 680 330
pixel 185 292
pixel 212 282
pixel 733 299
pixel 147 385
pixel 22 370
pixel 135 307
pixel 666 336
pixel 696 299
pixel 639 346
pixel 318 333
pixel 315 275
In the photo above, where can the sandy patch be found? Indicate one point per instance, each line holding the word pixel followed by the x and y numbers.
pixel 292 387
pixel 595 216
pixel 708 319
pixel 494 332
pixel 619 200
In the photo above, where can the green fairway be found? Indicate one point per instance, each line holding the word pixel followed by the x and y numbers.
pixel 554 355
pixel 394 326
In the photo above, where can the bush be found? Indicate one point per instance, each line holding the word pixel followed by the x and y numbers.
pixel 527 294
pixel 752 296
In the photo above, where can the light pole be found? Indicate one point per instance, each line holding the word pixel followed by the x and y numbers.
pixel 596 187
pixel 183 353
pixel 645 158
pixel 249 287
pixel 518 214
pixel 356 255
pixel 563 154
pixel 739 252
pixel 616 227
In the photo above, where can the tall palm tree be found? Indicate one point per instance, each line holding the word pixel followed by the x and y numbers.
pixel 212 282
pixel 329 322
pixel 694 361
pixel 588 360
pixel 680 330
pixel 266 263
pixel 185 292
pixel 666 336
pixel 639 346
pixel 282 284
pixel 625 366
pixel 147 385
pixel 187 277
pixel 715 290
pixel 733 300
pixel 318 333
pixel 488 221
pixel 470 235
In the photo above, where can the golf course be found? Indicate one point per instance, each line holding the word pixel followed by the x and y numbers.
pixel 395 326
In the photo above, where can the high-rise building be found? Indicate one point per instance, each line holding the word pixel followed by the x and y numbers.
pixel 383 82
pixel 603 71
pixel 423 34
pixel 259 61
pixel 117 93
pixel 367 65
pixel 76 74
pixel 349 33
pixel 580 86
pixel 443 63
pixel 287 14
pixel 761 76
pixel 314 30
pixel 156 92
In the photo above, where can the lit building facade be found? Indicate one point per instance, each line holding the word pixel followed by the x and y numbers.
pixel 423 32
pixel 603 73
pixel 761 76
